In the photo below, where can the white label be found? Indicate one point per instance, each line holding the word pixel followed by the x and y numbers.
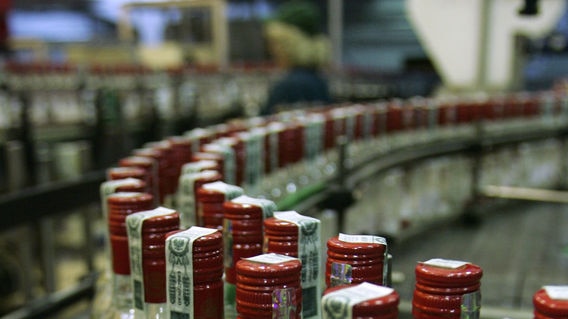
pixel 362 239
pixel 268 207
pixel 339 304
pixel 274 130
pixel 254 161
pixel 309 253
pixel 229 160
pixel 445 263
pixel 271 259
pixel 195 135
pixel 274 152
pixel 313 138
pixel 557 292
pixel 134 227
pixel 196 167
pixel 369 239
pixel 179 271
pixel 230 191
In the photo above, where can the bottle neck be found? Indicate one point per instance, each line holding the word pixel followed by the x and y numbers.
pixel 155 311
pixel 122 292
pixel 470 305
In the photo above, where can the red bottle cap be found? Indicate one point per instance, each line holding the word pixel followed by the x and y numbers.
pixel 361 259
pixel 381 307
pixel 549 307
pixel 200 166
pixel 152 153
pixel 262 270
pixel 137 161
pixel 165 185
pixel 137 186
pixel 279 227
pixel 339 246
pixel 280 237
pixel 115 173
pixel 181 151
pixel 467 275
pixel 171 166
pixel 147 164
pixel 120 206
pixel 154 232
pixel 260 278
pixel 127 185
pixel 207 254
pixel 437 304
pixel 237 211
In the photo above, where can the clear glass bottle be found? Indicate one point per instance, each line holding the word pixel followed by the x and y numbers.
pixel 147 233
pixel 120 205
pixel 103 288
pixel 291 234
pixel 447 288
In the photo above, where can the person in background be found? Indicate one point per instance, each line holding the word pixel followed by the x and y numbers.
pixel 296 45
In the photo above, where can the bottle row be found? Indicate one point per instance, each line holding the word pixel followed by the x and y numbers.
pixel 262 263
pixel 222 251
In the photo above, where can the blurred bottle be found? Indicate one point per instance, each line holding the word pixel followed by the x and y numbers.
pixel 551 302
pixel 187 192
pixel 210 199
pixel 104 286
pixel 120 206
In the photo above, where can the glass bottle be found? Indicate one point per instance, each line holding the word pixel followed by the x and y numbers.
pixel 291 234
pixel 448 288
pixel 121 205
pixel 550 302
pixel 210 198
pixel 147 164
pixel 186 197
pixel 243 237
pixel 147 232
pixel 104 286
